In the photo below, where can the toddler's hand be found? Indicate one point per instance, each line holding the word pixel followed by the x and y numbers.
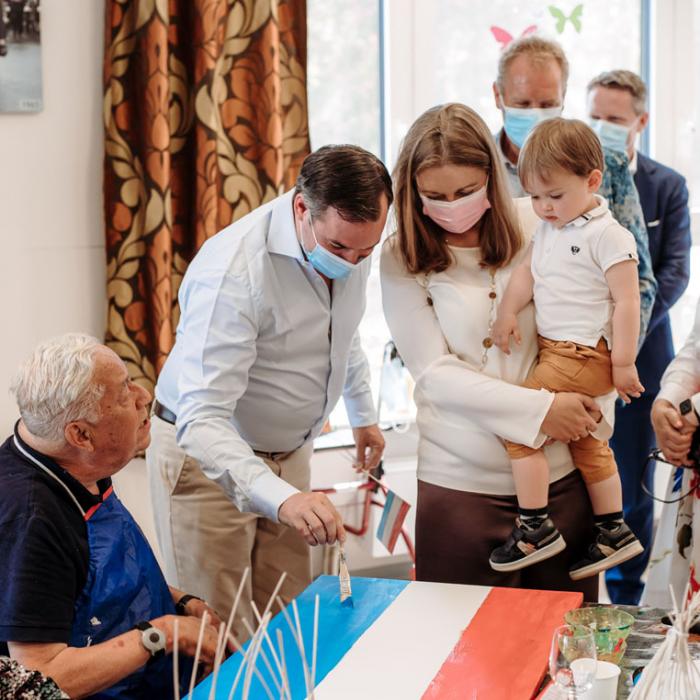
pixel 626 381
pixel 505 326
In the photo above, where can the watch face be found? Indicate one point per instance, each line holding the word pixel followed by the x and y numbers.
pixel 685 407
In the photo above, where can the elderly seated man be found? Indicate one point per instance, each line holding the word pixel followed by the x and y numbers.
pixel 83 598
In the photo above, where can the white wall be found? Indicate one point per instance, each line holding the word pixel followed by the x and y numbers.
pixel 52 277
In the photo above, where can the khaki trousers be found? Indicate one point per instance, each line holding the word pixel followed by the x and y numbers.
pixel 206 542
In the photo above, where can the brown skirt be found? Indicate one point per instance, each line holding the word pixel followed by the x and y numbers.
pixel 457 530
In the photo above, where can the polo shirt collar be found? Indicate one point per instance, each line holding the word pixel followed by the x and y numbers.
pixel 282 235
pixel 84 498
pixel 600 210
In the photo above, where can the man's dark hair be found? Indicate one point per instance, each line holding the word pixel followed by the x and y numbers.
pixel 347 178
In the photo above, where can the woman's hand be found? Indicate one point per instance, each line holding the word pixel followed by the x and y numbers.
pixel 570 417
pixel 626 381
pixel 505 326
pixel 673 434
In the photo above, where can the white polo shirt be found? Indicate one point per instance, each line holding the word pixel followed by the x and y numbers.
pixel 571 295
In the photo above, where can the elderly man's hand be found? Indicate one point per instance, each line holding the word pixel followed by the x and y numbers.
pixel 673 434
pixel 188 629
pixel 314 517
pixel 368 438
pixel 196 608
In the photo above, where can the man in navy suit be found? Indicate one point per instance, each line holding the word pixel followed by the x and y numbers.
pixel 617 109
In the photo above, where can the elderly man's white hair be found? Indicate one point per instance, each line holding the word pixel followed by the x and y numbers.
pixel 54 386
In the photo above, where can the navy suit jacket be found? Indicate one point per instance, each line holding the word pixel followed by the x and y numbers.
pixel 664 198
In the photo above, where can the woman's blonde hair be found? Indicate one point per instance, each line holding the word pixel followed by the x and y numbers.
pixel 451 134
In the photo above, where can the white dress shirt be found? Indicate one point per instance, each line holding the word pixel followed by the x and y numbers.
pixel 262 355
pixel 681 380
pixel 438 322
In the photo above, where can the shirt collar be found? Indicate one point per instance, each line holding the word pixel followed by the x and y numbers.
pixel 85 499
pixel 600 210
pixel 282 236
pixel 633 163
pixel 513 167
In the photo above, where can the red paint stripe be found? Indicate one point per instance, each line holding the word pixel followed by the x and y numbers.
pixel 503 653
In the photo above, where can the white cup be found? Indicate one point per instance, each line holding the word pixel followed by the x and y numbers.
pixel 605 683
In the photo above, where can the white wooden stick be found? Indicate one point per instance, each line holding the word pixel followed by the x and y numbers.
pixel 251 664
pixel 285 678
pixel 176 659
pixel 268 607
pixel 239 648
pixel 307 674
pixel 241 586
pixel 198 650
pixel 220 646
pixel 265 659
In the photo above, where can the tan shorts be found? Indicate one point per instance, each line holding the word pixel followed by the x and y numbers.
pixel 567 366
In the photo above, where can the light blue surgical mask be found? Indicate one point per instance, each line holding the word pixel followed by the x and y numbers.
pixel 612 136
pixel 519 122
pixel 329 264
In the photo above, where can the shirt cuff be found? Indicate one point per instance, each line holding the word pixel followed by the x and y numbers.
pixel 360 410
pixel 267 493
pixel 673 393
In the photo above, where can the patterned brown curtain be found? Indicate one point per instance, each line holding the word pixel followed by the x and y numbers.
pixel 205 119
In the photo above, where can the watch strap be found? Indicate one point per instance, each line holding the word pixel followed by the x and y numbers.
pixel 152 638
pixel 181 604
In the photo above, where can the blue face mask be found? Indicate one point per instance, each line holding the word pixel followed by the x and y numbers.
pixel 519 122
pixel 329 264
pixel 612 136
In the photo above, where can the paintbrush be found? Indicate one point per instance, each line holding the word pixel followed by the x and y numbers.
pixel 344 579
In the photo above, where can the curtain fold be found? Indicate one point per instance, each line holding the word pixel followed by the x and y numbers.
pixel 205 116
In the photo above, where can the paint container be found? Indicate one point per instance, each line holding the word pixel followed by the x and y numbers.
pixel 605 683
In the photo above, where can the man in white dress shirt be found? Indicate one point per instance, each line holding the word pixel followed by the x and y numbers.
pixel 267 343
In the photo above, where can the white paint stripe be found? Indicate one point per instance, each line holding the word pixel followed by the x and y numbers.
pixel 390 521
pixel 401 653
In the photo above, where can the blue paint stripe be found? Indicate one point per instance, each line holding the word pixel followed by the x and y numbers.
pixel 338 629
pixel 385 514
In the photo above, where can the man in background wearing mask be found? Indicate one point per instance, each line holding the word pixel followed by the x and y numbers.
pixel 617 108
pixel 529 88
pixel 267 342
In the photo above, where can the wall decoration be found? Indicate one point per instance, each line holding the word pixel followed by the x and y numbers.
pixel 561 19
pixel 504 37
pixel 20 56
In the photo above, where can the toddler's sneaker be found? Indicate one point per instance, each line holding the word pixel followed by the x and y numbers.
pixel 611 547
pixel 526 546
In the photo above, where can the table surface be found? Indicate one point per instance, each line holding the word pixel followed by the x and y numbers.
pixel 646 636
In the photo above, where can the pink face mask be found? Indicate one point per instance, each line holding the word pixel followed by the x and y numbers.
pixel 458 216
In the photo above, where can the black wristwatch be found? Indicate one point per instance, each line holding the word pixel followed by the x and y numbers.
pixel 152 638
pixel 685 407
pixel 182 603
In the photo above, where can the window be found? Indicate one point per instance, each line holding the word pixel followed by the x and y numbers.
pixel 375 65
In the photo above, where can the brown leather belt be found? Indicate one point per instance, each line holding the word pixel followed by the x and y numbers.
pixel 163 413
pixel 169 417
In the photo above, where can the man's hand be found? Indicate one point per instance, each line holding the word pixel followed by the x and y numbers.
pixel 571 417
pixel 196 608
pixel 368 438
pixel 626 381
pixel 673 434
pixel 505 326
pixel 314 517
pixel 187 635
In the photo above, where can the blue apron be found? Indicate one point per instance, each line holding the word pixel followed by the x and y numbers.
pixel 124 586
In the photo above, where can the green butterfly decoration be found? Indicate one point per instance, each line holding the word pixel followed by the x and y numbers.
pixel 562 19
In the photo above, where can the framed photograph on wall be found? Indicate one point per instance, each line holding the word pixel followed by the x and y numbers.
pixel 20 56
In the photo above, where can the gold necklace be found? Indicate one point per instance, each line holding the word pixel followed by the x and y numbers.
pixel 487 342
